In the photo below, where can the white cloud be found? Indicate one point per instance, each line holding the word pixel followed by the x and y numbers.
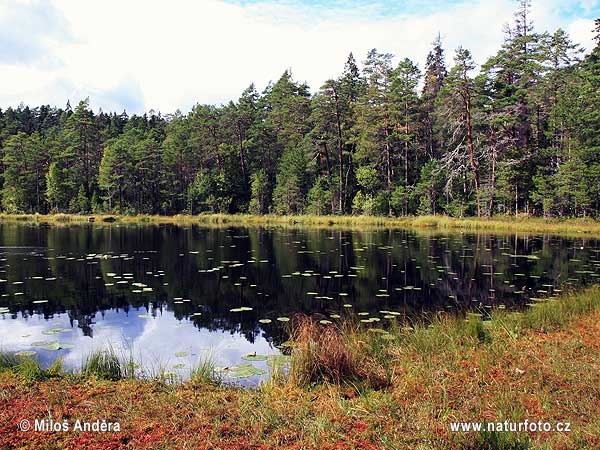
pixel 581 31
pixel 152 342
pixel 28 31
pixel 143 55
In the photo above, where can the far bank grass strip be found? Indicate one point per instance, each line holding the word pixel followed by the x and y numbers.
pixel 504 224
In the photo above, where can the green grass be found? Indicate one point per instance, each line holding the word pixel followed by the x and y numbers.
pixel 362 357
pixel 103 364
pixel 28 369
pixel 204 372
pixel 505 224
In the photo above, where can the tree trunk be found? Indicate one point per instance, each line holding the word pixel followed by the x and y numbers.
pixel 471 149
pixel 340 145
pixel 492 175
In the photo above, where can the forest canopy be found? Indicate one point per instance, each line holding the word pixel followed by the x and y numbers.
pixel 518 133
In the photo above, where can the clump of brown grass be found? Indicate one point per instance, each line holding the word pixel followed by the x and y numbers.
pixel 320 353
pixel 325 353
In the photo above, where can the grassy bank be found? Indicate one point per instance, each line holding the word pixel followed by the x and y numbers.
pixel 348 387
pixel 522 224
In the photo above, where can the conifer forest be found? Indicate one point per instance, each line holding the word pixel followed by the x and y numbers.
pixel 516 133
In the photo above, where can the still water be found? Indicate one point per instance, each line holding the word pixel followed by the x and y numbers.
pixel 171 296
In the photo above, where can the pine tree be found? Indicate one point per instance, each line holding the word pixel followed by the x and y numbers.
pixel 25 163
pixel 435 73
pixel 374 122
pixel 405 110
pixel 456 115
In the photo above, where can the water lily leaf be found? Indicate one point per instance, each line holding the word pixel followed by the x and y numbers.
pixel 181 354
pixel 179 366
pixel 144 316
pixel 26 353
pixel 265 321
pixel 241 309
pixel 48 332
pixel 242 371
pixel 283 319
pixel 46 345
pixel 254 357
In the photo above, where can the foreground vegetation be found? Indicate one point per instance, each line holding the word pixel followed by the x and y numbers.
pixel 523 224
pixel 349 386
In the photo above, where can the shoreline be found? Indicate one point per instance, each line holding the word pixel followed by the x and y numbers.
pixel 518 224
pixel 539 365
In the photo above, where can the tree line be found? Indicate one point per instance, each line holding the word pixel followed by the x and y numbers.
pixel 519 134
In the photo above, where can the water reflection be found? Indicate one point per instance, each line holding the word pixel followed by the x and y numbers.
pixel 161 290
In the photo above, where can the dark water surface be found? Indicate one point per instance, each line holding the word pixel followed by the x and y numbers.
pixel 165 294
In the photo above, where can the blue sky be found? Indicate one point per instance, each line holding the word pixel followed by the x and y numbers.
pixel 568 9
pixel 151 54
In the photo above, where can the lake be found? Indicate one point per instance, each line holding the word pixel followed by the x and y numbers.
pixel 171 296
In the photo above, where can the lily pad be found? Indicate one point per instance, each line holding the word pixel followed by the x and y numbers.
pixel 265 321
pixel 181 354
pixel 46 345
pixel 241 309
pixel 25 353
pixel 283 319
pixel 254 357
pixel 242 371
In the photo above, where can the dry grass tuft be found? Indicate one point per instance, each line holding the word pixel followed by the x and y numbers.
pixel 320 353
pixel 324 353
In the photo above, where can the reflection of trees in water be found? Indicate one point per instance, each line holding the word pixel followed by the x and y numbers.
pixel 452 271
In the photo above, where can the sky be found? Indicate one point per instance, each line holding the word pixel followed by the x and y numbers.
pixel 142 55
